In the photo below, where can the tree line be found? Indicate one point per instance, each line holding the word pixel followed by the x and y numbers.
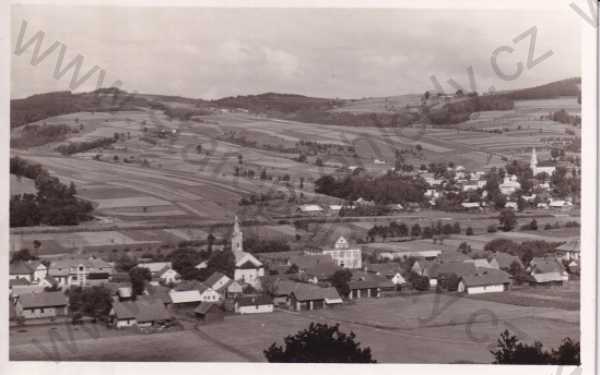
pixel 54 204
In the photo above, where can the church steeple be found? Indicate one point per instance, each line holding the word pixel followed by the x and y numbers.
pixel 237 237
pixel 534 162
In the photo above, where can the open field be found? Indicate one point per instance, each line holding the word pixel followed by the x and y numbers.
pixel 428 328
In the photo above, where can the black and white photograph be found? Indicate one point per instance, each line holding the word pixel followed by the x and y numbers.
pixel 316 183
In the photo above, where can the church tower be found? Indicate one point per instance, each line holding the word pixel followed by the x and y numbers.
pixel 534 162
pixel 237 237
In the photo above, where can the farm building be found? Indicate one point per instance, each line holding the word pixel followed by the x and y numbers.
pixel 208 312
pixel 185 298
pixel 207 294
pixel 369 287
pixel 310 209
pixel 547 271
pixel 509 185
pixel 309 297
pixel 484 263
pixel 42 305
pixel 484 281
pixel 141 313
pixel 253 304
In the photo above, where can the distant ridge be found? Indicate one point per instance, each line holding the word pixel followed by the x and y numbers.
pixel 566 87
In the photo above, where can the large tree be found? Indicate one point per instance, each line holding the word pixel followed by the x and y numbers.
pixel 139 276
pixel 340 280
pixel 512 351
pixel 95 301
pixel 320 343
pixel 508 220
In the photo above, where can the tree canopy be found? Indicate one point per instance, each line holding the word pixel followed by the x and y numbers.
pixel 320 343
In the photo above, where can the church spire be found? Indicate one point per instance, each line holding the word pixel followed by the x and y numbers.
pixel 237 237
pixel 533 163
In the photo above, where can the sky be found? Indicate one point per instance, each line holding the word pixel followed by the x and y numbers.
pixel 345 53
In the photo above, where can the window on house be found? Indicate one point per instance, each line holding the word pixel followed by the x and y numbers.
pixel 42 310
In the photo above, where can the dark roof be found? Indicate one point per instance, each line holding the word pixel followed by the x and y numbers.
pixel 205 307
pixel 486 276
pixel 44 299
pixel 545 265
pixel 20 268
pixel 158 292
pixel 308 292
pixel 386 269
pixel 254 300
pixel 142 310
pixel 322 270
pixel 572 246
pixel 214 278
pixel 309 261
pixel 457 268
pixel 18 281
pixel 370 282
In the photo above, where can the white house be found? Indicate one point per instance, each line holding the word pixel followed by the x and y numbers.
pixel 78 271
pixel 509 185
pixel 208 294
pixel 343 255
pixel 169 276
pixel 484 281
pixel 570 250
pixel 512 205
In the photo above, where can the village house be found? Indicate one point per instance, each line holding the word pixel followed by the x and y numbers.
pixel 42 305
pixel 141 313
pixel 248 269
pixel 207 294
pixel 547 271
pixel 484 280
pixel 437 270
pixel 484 263
pixel 209 312
pixel 80 271
pixel 32 271
pixel 509 185
pixel 390 270
pixel 253 304
pixel 570 250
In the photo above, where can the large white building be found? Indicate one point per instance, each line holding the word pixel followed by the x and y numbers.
pixel 344 255
pixel 248 269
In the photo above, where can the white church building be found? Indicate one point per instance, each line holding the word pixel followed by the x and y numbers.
pixel 248 269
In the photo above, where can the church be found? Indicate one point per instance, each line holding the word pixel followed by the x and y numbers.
pixel 248 269
pixel 547 166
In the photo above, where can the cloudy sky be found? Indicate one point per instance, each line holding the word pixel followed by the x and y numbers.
pixel 346 53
